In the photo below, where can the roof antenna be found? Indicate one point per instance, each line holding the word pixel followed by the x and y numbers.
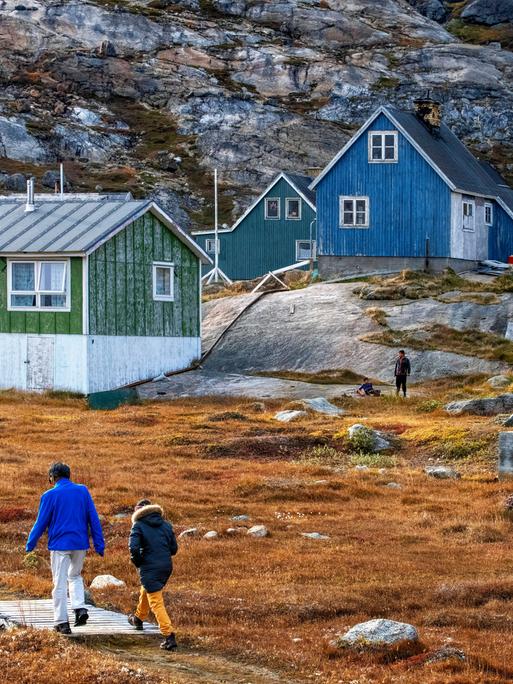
pixel 30 195
pixel 62 180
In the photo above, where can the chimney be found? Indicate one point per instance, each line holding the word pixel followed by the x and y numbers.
pixel 30 195
pixel 429 112
pixel 314 171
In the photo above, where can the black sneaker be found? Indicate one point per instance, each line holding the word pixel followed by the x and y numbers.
pixel 169 643
pixel 135 621
pixel 81 617
pixel 63 628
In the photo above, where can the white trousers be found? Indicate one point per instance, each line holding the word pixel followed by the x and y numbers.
pixel 67 573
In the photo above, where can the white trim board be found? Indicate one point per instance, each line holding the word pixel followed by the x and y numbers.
pixel 248 211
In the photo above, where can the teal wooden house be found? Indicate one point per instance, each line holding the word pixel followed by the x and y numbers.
pixel 96 292
pixel 275 231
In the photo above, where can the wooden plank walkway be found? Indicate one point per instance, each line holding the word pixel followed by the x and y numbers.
pixel 39 614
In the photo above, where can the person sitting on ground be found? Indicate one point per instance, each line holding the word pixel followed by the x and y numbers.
pixel 152 543
pixel 366 389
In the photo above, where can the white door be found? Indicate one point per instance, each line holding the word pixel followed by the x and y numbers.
pixel 40 362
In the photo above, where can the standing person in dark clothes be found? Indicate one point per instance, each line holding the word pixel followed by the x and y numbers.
pixel 402 370
pixel 152 543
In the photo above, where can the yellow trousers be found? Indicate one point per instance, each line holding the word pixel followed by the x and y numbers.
pixel 155 603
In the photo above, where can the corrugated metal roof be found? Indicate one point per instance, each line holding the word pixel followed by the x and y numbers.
pixel 448 153
pixel 74 225
pixel 62 225
pixel 302 183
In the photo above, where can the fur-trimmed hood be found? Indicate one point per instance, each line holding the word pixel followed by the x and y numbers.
pixel 150 509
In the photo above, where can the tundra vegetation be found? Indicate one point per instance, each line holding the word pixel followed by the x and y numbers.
pixel 434 553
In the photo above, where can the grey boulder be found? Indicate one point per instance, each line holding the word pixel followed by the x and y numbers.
pixel 442 473
pixel 378 633
pixel 499 381
pixel 289 416
pixel 489 12
pixel 379 443
pixel 488 406
pixel 322 405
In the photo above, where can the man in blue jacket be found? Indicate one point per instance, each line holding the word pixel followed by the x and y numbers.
pixel 67 511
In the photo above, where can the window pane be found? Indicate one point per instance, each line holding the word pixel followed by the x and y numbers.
pixel 51 277
pixel 293 209
pixel 360 219
pixel 163 281
pixel 272 208
pixel 23 300
pixel 348 218
pixel 377 153
pixel 23 278
pixel 361 205
pixel 389 152
pixel 390 140
pixel 53 301
pixel 348 205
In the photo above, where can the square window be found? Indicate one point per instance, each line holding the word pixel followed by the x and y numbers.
pixel 52 276
pixel 383 146
pixel 305 250
pixel 163 282
pixel 210 246
pixel 354 212
pixel 272 208
pixel 293 209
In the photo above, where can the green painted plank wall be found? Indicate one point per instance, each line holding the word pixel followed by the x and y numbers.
pixel 258 246
pixel 121 284
pixel 44 322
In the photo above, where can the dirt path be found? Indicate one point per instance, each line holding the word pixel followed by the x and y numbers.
pixel 191 666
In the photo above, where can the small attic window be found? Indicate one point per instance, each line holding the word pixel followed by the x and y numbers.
pixel 488 211
pixel 383 147
pixel 272 208
pixel 163 281
pixel 293 209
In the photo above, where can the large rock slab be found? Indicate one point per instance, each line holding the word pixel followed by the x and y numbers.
pixel 322 405
pixel 442 473
pixel 289 416
pixel 489 12
pixel 378 633
pixel 487 406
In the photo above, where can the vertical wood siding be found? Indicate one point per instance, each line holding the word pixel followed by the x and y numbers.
pixel 500 236
pixel 121 284
pixel 44 322
pixel 258 246
pixel 408 203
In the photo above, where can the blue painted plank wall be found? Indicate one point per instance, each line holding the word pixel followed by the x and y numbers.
pixel 258 246
pixel 500 236
pixel 408 202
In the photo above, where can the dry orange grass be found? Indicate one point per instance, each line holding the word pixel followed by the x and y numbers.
pixel 436 554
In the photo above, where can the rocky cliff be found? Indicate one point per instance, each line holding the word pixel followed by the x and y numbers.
pixel 151 95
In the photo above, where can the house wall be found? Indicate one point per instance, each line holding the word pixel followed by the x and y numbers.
pixel 44 322
pixel 258 246
pixel 121 284
pixel 116 361
pixel 408 203
pixel 465 244
pixel 500 235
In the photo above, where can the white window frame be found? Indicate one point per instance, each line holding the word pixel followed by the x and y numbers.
pixel 382 134
pixel 300 204
pixel 488 205
pixel 313 250
pixel 210 246
pixel 345 198
pixel 272 199
pixel 163 298
pixel 472 203
pixel 37 292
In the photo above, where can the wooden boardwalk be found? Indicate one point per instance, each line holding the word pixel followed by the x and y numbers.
pixel 39 614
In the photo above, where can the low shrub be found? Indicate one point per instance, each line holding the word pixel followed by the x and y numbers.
pixel 373 460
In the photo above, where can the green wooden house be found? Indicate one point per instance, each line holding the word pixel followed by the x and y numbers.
pixel 275 231
pixel 96 292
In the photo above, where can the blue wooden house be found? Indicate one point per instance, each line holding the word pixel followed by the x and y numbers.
pixel 273 233
pixel 406 193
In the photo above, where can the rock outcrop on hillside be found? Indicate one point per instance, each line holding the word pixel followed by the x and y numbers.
pixel 151 95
